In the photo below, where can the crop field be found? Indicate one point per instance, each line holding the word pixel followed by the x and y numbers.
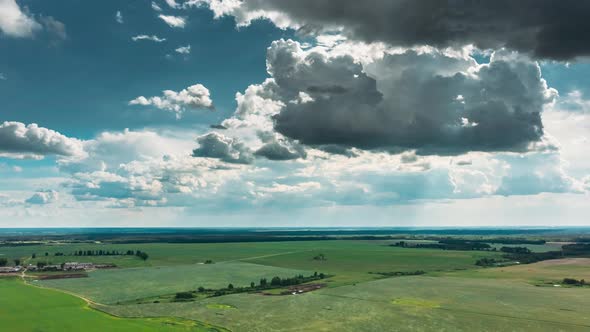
pixel 550 271
pixel 27 308
pixel 119 285
pixel 352 262
pixel 415 303
pixel 366 285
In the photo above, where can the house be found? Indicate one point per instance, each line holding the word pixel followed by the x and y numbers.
pixel 75 266
pixel 10 269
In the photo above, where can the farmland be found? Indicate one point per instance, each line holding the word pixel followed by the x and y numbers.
pixel 27 308
pixel 357 284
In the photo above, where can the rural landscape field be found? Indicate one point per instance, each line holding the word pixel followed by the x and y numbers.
pixel 296 280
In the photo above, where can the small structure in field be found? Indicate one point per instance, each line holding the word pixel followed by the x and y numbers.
pixel 75 266
pixel 10 269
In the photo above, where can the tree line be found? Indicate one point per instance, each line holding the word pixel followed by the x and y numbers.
pixel 263 284
pixel 82 253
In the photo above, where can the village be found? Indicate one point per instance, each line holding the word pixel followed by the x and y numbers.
pixel 68 266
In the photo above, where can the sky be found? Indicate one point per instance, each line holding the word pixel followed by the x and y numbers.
pixel 276 113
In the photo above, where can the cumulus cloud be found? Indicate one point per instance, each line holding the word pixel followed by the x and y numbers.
pixel 18 140
pixel 16 23
pixel 278 148
pixel 554 29
pixel 153 38
pixel 43 197
pixel 431 101
pixel 183 49
pixel 194 97
pixel 231 150
pixel 173 21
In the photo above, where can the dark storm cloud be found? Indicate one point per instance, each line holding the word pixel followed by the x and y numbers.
pixel 214 145
pixel 431 102
pixel 556 29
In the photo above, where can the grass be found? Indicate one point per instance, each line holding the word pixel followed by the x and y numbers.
pixel 350 262
pixel 414 303
pixel 453 295
pixel 27 308
pixel 544 272
pixel 121 285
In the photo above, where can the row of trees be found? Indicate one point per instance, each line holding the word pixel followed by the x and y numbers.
pixel 141 254
pixel 452 244
pixel 4 261
pixel 574 282
pixel 263 284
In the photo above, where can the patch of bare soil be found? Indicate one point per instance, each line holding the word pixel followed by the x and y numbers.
pixel 298 289
pixel 62 276
pixel 566 261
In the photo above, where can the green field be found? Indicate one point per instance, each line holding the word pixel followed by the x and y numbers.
pixel 119 285
pixel 28 308
pixel 395 304
pixel 551 271
pixel 453 294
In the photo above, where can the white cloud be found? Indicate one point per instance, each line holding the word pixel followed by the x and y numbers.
pixel 119 17
pixel 173 21
pixel 18 140
pixel 156 7
pixel 194 97
pixel 153 38
pixel 172 4
pixel 184 49
pixel 2 77
pixel 43 197
pixel 16 23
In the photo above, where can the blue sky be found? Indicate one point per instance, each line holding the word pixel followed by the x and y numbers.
pixel 320 117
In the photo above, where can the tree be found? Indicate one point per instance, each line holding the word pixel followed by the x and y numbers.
pixel 230 286
pixel 3 261
pixel 276 281
pixel 263 282
pixel 184 296
pixel 33 256
pixel 16 261
pixel 201 289
pixel 141 254
pixel 252 284
pixel 46 254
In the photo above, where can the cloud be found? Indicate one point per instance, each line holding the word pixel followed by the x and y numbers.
pixel 575 101
pixel 231 150
pixel 3 77
pixel 16 23
pixel 194 97
pixel 156 7
pixel 153 38
pixel 183 49
pixel 172 3
pixel 431 101
pixel 18 140
pixel 554 29
pixel 119 17
pixel 173 21
pixel 54 27
pixel 43 197
pixel 278 148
